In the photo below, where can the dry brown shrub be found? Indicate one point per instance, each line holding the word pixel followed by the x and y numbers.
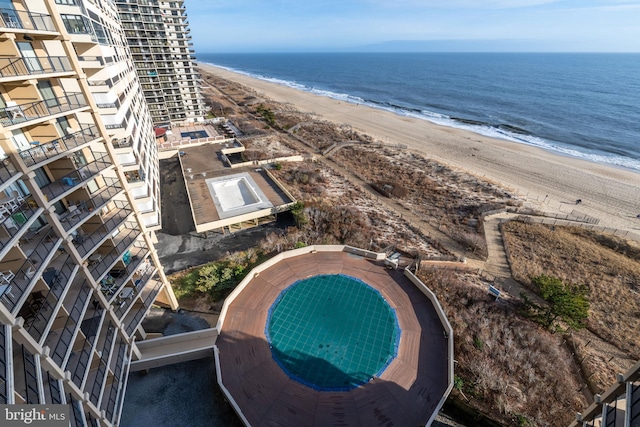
pixel 607 265
pixel 509 365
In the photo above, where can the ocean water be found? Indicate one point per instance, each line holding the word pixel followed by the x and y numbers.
pixel 581 105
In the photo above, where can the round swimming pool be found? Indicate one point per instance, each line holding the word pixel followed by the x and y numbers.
pixel 332 332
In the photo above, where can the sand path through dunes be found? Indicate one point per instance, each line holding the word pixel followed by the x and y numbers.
pixel 551 181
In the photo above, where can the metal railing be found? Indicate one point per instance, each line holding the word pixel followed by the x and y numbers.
pixel 84 358
pixel 45 151
pixel 42 64
pixel 22 113
pixel 126 239
pixel 30 377
pixel 118 371
pixel 37 325
pixel 89 207
pixel 54 189
pixel 7 170
pixel 55 389
pixel 14 223
pixel 63 346
pixel 4 387
pixel 18 19
pixel 139 284
pixel 26 275
pixel 113 220
pixel 101 374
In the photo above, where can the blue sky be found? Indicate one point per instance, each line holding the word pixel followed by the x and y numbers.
pixel 452 25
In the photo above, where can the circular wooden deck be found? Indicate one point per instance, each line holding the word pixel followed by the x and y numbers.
pixel 406 394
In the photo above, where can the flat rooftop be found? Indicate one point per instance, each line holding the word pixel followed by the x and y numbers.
pixel 219 193
pixel 406 393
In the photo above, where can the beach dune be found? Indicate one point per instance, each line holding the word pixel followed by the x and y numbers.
pixel 549 181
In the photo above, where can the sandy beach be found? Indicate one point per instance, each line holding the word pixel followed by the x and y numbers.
pixel 547 180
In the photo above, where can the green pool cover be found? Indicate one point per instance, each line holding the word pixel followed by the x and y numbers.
pixel 332 332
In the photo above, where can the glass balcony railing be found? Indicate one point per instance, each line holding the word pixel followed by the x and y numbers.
pixel 21 113
pixel 14 67
pixel 17 19
pixel 42 152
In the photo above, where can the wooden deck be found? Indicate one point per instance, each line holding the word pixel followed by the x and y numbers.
pixel 407 392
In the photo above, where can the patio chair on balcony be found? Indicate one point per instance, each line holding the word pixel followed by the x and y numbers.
pixel 14 110
pixel 18 197
pixel 6 277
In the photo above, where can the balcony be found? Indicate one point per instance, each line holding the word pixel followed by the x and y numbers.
pixel 7 170
pixel 21 68
pixel 61 340
pixel 68 182
pixel 80 361
pixel 91 61
pixel 22 113
pixel 136 267
pixel 19 219
pixel 98 376
pixel 77 213
pixel 111 222
pixel 114 391
pixel 139 309
pixel 19 20
pixel 5 336
pixel 101 263
pixel 40 307
pixel 141 277
pixel 20 274
pixel 51 149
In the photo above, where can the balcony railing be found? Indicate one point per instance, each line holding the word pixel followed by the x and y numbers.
pixel 13 67
pixel 84 358
pixel 27 273
pixel 7 170
pixel 45 151
pixel 56 389
pixel 113 220
pixel 107 261
pixel 30 370
pixel 63 347
pixel 86 208
pixel 14 223
pixel 4 386
pixel 17 19
pixel 38 314
pixel 141 309
pixel 101 373
pixel 22 113
pixel 139 284
pixel 56 188
pixel 118 367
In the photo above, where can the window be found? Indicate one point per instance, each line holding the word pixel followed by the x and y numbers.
pixel 67 2
pixel 46 91
pixel 76 24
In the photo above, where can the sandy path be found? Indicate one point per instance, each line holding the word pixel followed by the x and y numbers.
pixel 608 193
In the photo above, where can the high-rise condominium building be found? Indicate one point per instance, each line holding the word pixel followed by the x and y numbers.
pixel 158 35
pixel 78 199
